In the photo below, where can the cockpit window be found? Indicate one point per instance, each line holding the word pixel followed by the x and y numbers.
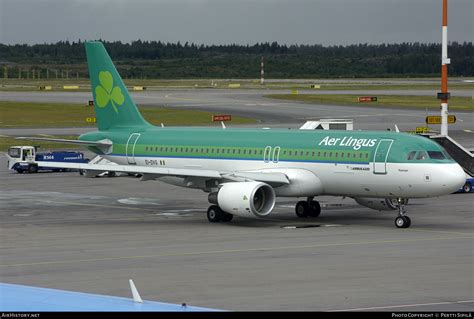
pixel 411 155
pixel 436 155
pixel 421 155
pixel 447 155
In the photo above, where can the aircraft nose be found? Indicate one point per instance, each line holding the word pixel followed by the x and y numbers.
pixel 454 177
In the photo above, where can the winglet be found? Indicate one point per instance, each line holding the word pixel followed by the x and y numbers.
pixel 223 125
pixel 396 129
pixel 135 294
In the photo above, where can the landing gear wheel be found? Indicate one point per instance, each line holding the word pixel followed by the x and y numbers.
pixel 214 214
pixel 408 221
pixel 226 217
pixel 402 222
pixel 301 209
pixel 314 209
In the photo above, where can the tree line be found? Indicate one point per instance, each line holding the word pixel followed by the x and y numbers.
pixel 156 59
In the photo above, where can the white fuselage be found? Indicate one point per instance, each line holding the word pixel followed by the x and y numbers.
pixel 405 180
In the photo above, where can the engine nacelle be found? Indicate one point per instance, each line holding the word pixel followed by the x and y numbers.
pixel 377 203
pixel 246 199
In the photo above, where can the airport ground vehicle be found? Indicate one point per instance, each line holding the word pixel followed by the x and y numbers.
pixel 24 159
pixel 468 187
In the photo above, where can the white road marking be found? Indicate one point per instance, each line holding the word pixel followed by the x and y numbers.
pixel 403 306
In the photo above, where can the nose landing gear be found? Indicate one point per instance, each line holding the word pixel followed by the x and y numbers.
pixel 402 221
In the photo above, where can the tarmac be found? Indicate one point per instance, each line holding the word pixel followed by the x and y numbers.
pixel 65 231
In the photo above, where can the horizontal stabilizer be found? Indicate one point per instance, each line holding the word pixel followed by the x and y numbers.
pixel 104 145
pixel 62 140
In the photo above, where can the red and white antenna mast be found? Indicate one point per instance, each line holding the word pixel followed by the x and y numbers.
pixel 444 95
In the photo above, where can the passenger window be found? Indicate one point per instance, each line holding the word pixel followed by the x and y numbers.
pixel 421 155
pixel 411 155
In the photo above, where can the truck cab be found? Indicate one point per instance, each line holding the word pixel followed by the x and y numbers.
pixel 21 158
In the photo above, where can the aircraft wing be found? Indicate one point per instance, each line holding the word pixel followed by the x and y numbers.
pixel 19 298
pixel 273 178
pixel 134 169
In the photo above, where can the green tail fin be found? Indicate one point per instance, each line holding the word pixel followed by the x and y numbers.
pixel 113 106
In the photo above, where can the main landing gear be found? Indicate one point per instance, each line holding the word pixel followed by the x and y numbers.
pixel 215 214
pixel 402 221
pixel 308 208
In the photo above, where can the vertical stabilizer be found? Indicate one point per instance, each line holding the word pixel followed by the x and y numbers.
pixel 113 105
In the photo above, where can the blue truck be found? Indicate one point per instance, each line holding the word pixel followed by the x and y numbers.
pixel 22 159
pixel 468 187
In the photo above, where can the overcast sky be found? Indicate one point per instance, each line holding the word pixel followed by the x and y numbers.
pixel 327 22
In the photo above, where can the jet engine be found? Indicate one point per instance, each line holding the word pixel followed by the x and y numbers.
pixel 377 203
pixel 246 199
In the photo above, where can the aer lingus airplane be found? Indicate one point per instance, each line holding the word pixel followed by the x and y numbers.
pixel 244 170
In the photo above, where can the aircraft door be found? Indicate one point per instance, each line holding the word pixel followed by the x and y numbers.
pixel 276 154
pixel 130 149
pixel 381 155
pixel 267 154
